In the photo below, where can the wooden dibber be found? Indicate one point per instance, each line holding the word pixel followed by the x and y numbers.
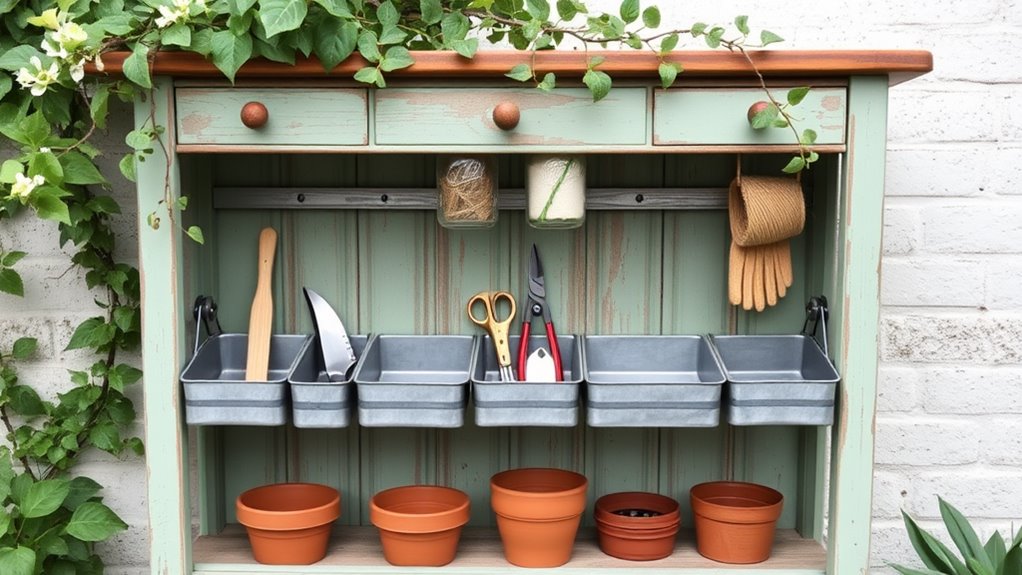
pixel 260 321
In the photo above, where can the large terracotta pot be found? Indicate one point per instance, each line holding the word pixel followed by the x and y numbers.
pixel 648 533
pixel 735 522
pixel 419 525
pixel 289 523
pixel 538 514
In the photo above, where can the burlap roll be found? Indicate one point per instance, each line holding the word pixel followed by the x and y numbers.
pixel 765 210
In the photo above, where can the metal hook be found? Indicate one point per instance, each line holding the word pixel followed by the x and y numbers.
pixel 818 313
pixel 205 310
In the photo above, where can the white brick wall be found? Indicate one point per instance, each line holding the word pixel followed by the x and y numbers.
pixel 950 382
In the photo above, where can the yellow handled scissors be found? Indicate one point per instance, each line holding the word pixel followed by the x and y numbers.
pixel 498 329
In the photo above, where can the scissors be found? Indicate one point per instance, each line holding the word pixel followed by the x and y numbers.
pixel 498 329
pixel 536 305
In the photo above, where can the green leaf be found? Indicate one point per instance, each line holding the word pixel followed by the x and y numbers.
pixel 598 82
pixel 387 14
pixel 742 23
pixel 5 522
pixel 368 75
pixel 136 66
pixel 669 43
pixel 52 208
pixel 796 95
pixel 392 35
pixel 46 165
pixel 454 26
pixel 25 401
pixel 195 232
pixel 766 37
pixel 11 258
pixel 367 46
pixel 103 205
pixel 18 57
pixel 335 41
pixel 94 521
pixel 44 497
pixel 797 164
pixel 6 475
pixel 668 73
pixel 765 117
pixel 24 347
pixel 911 571
pixel 10 282
pixel 99 105
pixel 934 554
pixel 239 7
pixel 963 535
pixel 36 129
pixel 17 561
pixel 5 85
pixel 566 9
pixel 105 436
pixel 82 336
pixel 466 48
pixel 629 10
pixel 81 489
pixel 80 170
pixel 337 8
pixel 178 34
pixel 808 137
pixel 431 11
pixel 230 52
pixel 538 9
pixel 127 167
pixel 202 41
pixel 651 17
pixel 9 169
pixel 397 57
pixel 813 156
pixel 1012 562
pixel 521 72
pixel 977 567
pixel 698 29
pixel 549 82
pixel 280 16
pixel 713 37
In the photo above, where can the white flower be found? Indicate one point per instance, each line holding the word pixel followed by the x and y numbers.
pixel 70 35
pixel 167 16
pixel 39 80
pixel 77 70
pixel 180 10
pixel 44 150
pixel 24 185
pixel 59 52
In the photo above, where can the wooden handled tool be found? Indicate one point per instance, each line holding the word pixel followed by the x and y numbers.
pixel 260 321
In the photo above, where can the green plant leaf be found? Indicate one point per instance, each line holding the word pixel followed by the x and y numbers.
pixel 17 561
pixel 103 205
pixel 455 26
pixel 698 29
pixel 629 10
pixel 566 9
pixel 94 521
pixel 178 34
pixel 5 522
pixel 538 9
pixel 82 336
pixel 12 258
pixel 668 73
pixel 80 170
pixel 963 535
pixel 335 40
pixel 25 401
pixel 136 66
pixel 368 75
pixel 44 497
pixel 280 16
pixel 195 232
pixel 10 282
pixel 80 490
pixel 24 347
pixel 797 164
pixel 549 82
pixel 387 14
pixel 368 47
pixel 18 57
pixel 397 57
pixel 431 11
pixel 9 169
pixel 598 82
pixel 766 37
pixel 1012 562
pixel 808 137
pixel 230 52
pixel 911 571
pixel 977 567
pixel 466 48
pixel 796 95
pixel 713 37
pixel 127 167
pixel 669 43
pixel 52 208
pixel 337 8
pixel 742 23
pixel 105 436
pixel 934 554
pixel 6 475
pixel 46 165
pixel 651 17
pixel 6 84
pixel 521 72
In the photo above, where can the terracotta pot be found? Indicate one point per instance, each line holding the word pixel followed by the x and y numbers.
pixel 637 538
pixel 420 525
pixel 289 523
pixel 538 513
pixel 735 522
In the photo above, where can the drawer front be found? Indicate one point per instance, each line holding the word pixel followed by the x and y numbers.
pixel 715 116
pixel 310 117
pixel 565 117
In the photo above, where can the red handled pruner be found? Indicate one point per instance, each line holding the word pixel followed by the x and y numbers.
pixel 535 306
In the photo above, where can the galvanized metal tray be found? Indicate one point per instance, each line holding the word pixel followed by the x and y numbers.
pixel 521 403
pixel 317 402
pixel 777 380
pixel 414 380
pixel 216 392
pixel 651 381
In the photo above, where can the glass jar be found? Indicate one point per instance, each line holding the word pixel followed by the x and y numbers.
pixel 556 191
pixel 467 191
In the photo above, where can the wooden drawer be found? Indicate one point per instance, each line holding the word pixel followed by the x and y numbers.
pixel 719 116
pixel 565 117
pixel 309 117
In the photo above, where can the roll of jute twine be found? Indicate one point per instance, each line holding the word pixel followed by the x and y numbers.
pixel 466 191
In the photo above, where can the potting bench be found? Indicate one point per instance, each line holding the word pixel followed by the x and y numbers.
pixel 346 174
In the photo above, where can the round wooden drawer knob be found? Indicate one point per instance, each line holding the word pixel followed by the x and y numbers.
pixel 506 115
pixel 756 108
pixel 254 115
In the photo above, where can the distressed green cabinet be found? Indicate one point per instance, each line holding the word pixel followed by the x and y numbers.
pixel 345 174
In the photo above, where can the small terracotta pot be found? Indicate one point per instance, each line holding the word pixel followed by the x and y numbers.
pixel 735 522
pixel 420 525
pixel 538 514
pixel 637 538
pixel 289 523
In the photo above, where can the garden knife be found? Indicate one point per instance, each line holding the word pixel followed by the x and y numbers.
pixel 338 357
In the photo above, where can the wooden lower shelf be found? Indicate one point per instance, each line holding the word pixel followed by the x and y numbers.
pixel 357 550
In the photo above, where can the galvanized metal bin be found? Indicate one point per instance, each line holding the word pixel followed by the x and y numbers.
pixel 414 380
pixel 521 403
pixel 777 380
pixel 651 381
pixel 317 402
pixel 216 392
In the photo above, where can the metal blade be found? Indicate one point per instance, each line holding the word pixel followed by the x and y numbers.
pixel 537 285
pixel 338 357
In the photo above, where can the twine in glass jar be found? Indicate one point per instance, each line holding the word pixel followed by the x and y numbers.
pixel 467 188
